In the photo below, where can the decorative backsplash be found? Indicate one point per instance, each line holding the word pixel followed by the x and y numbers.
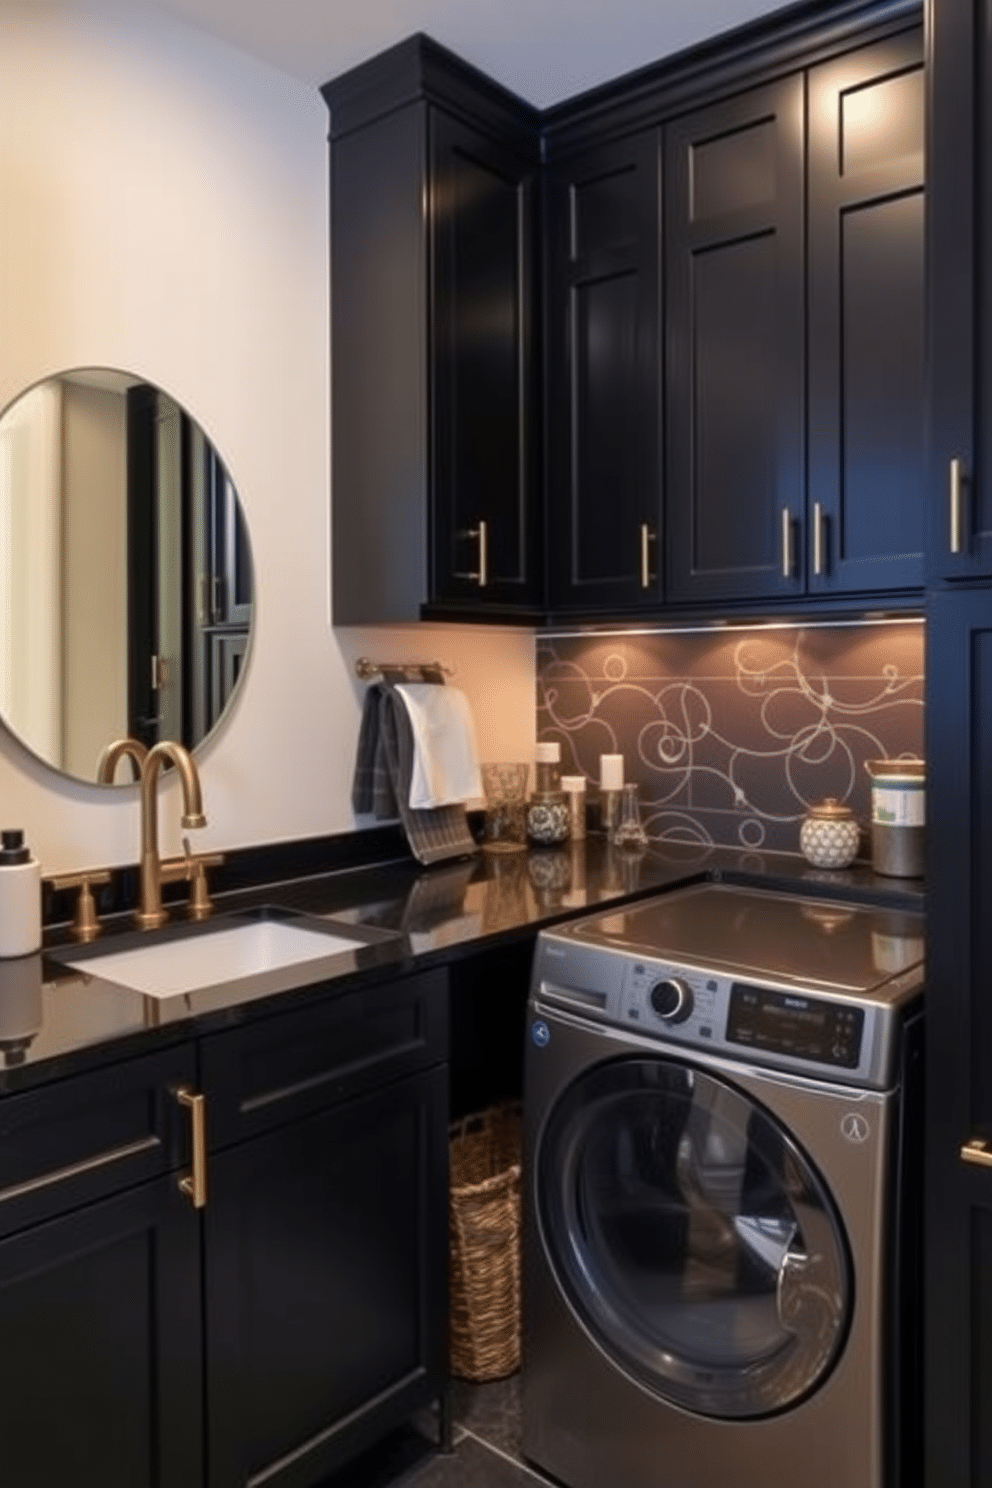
pixel 732 733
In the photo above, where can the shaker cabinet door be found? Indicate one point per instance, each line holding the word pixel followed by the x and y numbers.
pixel 100 1346
pixel 734 302
pixel 486 514
pixel 866 311
pixel 604 384
pixel 324 1251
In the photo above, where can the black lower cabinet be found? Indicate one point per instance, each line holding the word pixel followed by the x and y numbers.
pixel 100 1353
pixel 271 1333
pixel 324 1283
pixel 959 1040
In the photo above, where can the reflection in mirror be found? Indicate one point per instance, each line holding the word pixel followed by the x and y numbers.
pixel 125 571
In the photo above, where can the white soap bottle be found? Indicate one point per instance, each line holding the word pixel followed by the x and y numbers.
pixel 20 896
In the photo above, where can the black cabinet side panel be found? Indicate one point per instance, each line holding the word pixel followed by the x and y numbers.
pixel 959 1036
pixel 379 387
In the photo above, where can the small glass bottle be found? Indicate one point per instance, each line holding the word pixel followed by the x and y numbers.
pixel 629 833
pixel 574 787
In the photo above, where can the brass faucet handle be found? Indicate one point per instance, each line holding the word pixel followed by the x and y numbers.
pixel 194 868
pixel 200 904
pixel 85 924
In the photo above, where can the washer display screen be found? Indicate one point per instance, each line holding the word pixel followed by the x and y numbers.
pixel 787 1023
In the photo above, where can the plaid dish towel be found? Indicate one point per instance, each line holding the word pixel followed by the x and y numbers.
pixel 383 770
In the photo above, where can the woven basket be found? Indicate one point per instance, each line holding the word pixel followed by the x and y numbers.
pixel 484 1244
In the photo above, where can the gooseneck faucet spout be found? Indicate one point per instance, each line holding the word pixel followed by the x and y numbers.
pixel 107 763
pixel 151 914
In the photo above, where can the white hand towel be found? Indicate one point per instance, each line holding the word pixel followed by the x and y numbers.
pixel 445 759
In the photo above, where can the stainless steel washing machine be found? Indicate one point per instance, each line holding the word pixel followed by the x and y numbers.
pixel 721 1200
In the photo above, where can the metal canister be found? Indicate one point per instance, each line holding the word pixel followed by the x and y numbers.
pixel 898 815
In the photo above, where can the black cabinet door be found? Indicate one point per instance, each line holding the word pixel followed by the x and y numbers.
pixel 959 1039
pixel 100 1346
pixel 325 1250
pixel 604 382
pixel 866 309
pixel 735 346
pixel 959 171
pixel 486 508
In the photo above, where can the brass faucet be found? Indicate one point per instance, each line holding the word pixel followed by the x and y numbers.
pixel 107 763
pixel 151 914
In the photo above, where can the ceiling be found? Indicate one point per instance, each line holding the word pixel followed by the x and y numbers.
pixel 544 50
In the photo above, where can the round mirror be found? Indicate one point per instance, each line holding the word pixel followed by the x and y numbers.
pixel 125 572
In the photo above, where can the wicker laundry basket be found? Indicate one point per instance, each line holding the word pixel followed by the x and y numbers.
pixel 484 1244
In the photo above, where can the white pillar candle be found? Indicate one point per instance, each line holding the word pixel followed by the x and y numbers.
pixel 611 772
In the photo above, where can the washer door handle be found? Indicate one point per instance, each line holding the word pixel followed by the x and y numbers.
pixel 806 1296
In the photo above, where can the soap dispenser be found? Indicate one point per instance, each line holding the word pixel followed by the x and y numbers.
pixel 20 896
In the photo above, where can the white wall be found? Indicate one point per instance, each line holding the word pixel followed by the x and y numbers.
pixel 163 209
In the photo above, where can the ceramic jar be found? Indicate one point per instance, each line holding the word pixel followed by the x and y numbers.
pixel 548 818
pixel 830 836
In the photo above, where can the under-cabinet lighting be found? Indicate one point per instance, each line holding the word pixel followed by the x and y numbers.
pixel 798 623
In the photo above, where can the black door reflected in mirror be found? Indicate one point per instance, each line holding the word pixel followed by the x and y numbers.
pixel 125 571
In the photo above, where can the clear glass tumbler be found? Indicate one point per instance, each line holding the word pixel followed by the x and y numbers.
pixel 505 828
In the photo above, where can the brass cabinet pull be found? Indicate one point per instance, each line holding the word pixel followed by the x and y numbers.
pixel 786 543
pixel 956 482
pixel 483 554
pixel 977 1152
pixel 647 537
pixel 481 575
pixel 194 1184
pixel 817 539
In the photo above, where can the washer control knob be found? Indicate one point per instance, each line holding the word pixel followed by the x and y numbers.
pixel 672 999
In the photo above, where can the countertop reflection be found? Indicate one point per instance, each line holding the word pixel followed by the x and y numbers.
pixel 54 1020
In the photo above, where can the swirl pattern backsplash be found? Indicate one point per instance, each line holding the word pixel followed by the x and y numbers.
pixel 732 734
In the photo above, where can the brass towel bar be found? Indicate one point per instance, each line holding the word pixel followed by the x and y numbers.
pixel 367 670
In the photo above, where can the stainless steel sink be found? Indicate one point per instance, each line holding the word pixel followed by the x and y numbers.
pixel 221 953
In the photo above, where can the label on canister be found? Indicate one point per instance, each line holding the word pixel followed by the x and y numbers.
pixel 898 806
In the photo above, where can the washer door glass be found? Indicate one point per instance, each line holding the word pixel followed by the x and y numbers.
pixel 693 1238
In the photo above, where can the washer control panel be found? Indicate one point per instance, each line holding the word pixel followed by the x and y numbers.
pixel 787 1023
pixel 787 1028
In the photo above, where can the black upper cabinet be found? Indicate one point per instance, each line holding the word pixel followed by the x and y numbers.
pixel 604 387
pixel 734 310
pixel 434 447
pixel 795 397
pixel 729 380
pixel 959 539
pixel 866 314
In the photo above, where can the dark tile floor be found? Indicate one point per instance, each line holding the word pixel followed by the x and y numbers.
pixel 486 1448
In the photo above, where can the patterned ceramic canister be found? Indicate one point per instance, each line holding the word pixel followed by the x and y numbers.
pixel 547 818
pixel 829 836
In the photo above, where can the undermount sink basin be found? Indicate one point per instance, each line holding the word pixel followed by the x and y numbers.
pixel 225 953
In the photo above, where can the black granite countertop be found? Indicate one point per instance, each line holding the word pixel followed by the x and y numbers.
pixel 55 1020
